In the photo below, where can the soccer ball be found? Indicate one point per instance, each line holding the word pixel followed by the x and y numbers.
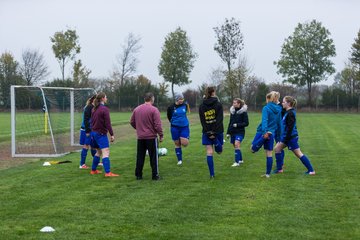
pixel 162 151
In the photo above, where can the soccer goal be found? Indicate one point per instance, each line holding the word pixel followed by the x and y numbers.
pixel 45 121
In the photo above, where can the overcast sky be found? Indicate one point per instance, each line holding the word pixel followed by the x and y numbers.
pixel 102 26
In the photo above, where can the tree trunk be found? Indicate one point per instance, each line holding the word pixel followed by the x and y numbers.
pixel 309 94
pixel 119 103
pixel 63 69
pixel 172 90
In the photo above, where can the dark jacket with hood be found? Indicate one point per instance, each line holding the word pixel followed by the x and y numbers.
pixel 238 121
pixel 211 115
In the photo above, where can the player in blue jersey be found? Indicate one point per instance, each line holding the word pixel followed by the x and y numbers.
pixel 211 118
pixel 179 124
pixel 289 137
pixel 236 129
pixel 270 124
pixel 85 130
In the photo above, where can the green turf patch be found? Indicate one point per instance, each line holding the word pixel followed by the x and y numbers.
pixel 186 204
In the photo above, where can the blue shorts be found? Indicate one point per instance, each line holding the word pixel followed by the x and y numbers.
pixel 269 143
pixel 85 140
pixel 259 141
pixel 178 132
pixel 236 138
pixel 100 140
pixel 218 141
pixel 293 144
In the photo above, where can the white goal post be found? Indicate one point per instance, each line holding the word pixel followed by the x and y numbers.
pixel 45 121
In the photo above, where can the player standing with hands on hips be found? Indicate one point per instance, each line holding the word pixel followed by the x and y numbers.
pixel 101 125
pixel 180 132
pixel 146 120
pixel 211 118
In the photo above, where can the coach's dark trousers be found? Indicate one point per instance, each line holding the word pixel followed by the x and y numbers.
pixel 151 146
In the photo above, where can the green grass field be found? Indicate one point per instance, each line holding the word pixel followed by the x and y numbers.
pixel 60 121
pixel 185 204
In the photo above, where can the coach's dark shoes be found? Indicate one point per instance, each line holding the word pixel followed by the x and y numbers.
pixel 156 178
pixel 139 178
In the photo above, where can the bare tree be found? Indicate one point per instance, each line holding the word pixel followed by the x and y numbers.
pixel 33 68
pixel 127 60
pixel 217 76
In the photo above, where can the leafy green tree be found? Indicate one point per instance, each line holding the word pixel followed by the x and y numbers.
pixel 355 60
pixel 80 74
pixel 347 79
pixel 61 83
pixel 65 47
pixel 9 75
pixel 355 51
pixel 33 67
pixel 304 58
pixel 177 59
pixel 228 45
pixel 163 88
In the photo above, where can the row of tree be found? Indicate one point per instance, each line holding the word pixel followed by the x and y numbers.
pixel 305 61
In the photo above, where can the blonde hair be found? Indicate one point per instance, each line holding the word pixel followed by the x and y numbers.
pixel 271 97
pixel 276 96
pixel 291 100
pixel 238 100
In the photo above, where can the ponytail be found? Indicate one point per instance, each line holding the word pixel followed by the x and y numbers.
pixel 208 92
pixel 291 100
pixel 90 100
pixel 97 100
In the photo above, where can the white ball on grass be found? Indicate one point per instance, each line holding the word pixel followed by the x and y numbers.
pixel 162 151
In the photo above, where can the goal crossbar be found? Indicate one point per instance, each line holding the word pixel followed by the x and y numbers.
pixel 55 152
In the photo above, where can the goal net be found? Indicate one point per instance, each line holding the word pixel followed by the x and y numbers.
pixel 45 121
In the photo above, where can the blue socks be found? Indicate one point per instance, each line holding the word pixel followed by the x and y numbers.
pixel 283 155
pixel 210 163
pixel 307 163
pixel 218 146
pixel 279 160
pixel 83 156
pixel 269 161
pixel 106 164
pixel 95 163
pixel 178 152
pixel 93 152
pixel 238 155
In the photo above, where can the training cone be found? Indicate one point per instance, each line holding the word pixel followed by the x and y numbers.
pixel 47 229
